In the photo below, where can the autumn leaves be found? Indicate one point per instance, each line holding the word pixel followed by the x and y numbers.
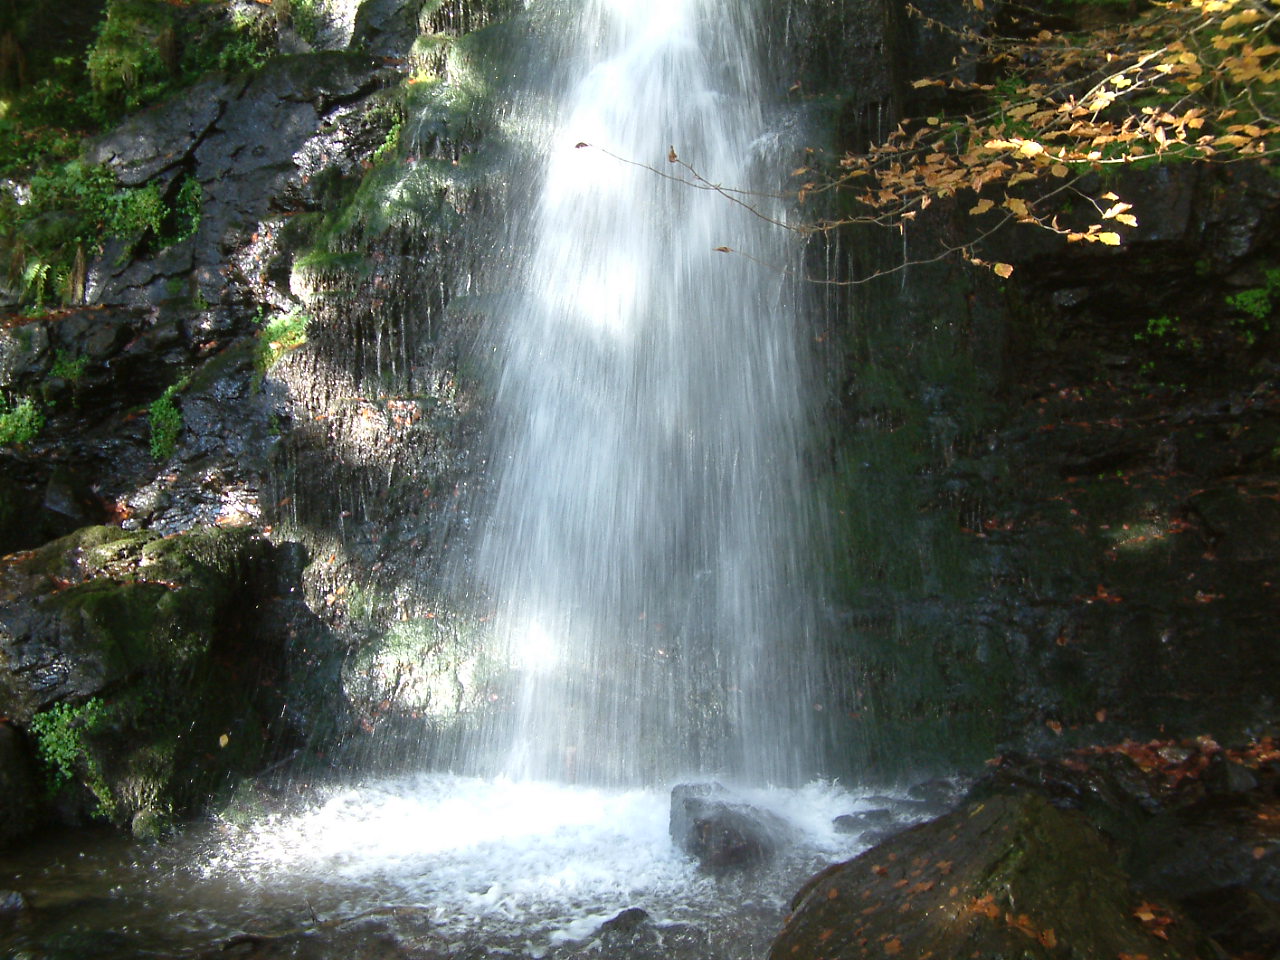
pixel 1190 80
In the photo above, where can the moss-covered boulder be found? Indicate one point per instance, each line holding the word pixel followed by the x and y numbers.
pixel 1002 878
pixel 138 665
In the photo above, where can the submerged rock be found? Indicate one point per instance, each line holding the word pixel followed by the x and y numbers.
pixel 721 831
pixel 634 935
pixel 1006 877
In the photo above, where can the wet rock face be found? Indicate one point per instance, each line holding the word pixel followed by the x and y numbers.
pixel 18 786
pixel 242 140
pixel 1007 877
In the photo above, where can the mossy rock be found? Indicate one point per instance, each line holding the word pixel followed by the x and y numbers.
pixel 124 654
pixel 1006 878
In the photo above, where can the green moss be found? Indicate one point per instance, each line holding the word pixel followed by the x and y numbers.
pixel 186 212
pixel 147 49
pixel 307 17
pixel 136 53
pixel 165 420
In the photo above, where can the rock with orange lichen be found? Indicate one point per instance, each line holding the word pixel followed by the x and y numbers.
pixel 1002 878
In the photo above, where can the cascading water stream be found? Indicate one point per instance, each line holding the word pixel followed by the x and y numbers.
pixel 643 549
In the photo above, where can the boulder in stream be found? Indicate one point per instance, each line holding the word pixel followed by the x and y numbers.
pixel 721 830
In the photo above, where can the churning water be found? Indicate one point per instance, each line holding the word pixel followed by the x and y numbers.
pixel 643 550
pixel 472 868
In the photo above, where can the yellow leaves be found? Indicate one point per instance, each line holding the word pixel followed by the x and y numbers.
pixel 1118 211
pixel 1023 148
pixel 1243 18
pixel 1059 170
pixel 927 82
pixel 982 206
pixel 1095 234
pixel 1016 206
pixel 1003 270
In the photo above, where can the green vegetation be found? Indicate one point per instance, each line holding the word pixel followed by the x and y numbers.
pixel 60 735
pixel 60 211
pixel 70 368
pixel 279 336
pixel 307 17
pixel 70 212
pixel 20 423
pixel 186 210
pixel 166 422
pixel 145 49
pixel 1256 304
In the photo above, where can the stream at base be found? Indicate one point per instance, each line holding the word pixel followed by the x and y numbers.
pixel 474 868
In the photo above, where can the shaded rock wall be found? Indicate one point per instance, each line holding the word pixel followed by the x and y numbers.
pixel 1053 497
pixel 329 191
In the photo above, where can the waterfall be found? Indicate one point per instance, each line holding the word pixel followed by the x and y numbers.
pixel 643 553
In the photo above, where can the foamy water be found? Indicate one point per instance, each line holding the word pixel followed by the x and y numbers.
pixel 546 861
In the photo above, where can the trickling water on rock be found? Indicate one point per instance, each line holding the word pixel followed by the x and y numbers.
pixel 644 542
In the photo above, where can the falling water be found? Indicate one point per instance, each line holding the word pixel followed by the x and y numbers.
pixel 643 548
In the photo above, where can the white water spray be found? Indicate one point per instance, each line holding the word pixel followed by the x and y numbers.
pixel 644 543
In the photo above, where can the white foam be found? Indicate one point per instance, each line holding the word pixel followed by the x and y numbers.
pixel 542 860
